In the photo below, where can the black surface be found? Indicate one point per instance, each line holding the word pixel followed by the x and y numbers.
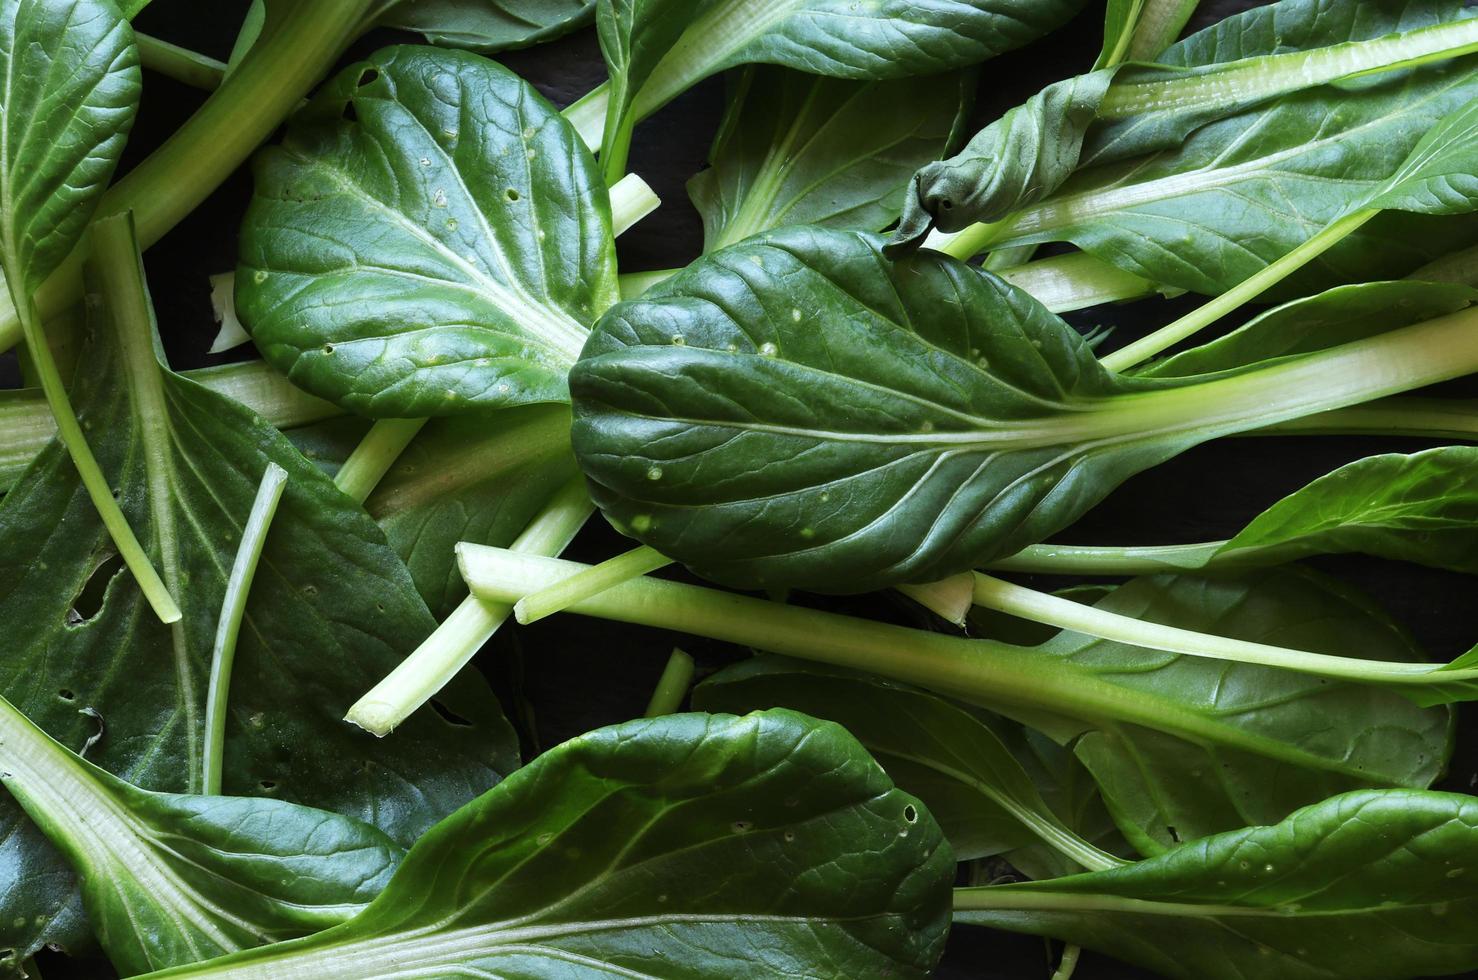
pixel 578 676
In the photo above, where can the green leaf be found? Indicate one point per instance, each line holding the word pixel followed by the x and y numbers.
pixel 1140 30
pixel 1365 885
pixel 795 149
pixel 942 753
pixel 1322 738
pixel 688 846
pixel 796 411
pixel 430 238
pixel 1335 316
pixel 477 478
pixel 1240 193
pixel 72 84
pixel 489 25
pixel 1421 508
pixel 169 879
pixel 657 49
pixel 331 611
pixel 1438 177
pixel 1016 161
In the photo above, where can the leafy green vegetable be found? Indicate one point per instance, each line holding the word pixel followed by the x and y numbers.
pixel 602 857
pixel 1365 885
pixel 1182 746
pixel 431 237
pixel 948 757
pixel 489 25
pixel 656 49
pixel 169 879
pixel 1139 30
pixel 798 412
pixel 331 609
pixel 795 149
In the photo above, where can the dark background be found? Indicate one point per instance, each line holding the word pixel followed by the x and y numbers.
pixel 565 675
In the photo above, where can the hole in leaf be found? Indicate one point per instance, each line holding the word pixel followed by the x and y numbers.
pixel 89 601
pixel 910 813
pixel 449 716
pixel 512 194
pixel 328 348
pixel 368 77
pixel 67 694
pixel 1173 834
pixel 267 785
pixel 350 113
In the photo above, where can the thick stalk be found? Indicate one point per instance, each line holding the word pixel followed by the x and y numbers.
pixel 181 64
pixel 1076 281
pixel 115 264
pixel 632 199
pixel 633 284
pixel 375 454
pixel 949 599
pixel 672 686
pixel 299 44
pixel 592 581
pixel 1160 24
pixel 1068 965
pixel 1421 418
pixel 448 649
pixel 1244 292
pixel 1000 898
pixel 1066 559
pixel 1011 679
pixel 1268 76
pixel 1051 610
pixel 228 627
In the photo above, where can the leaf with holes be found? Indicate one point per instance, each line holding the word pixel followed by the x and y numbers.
pixel 795 149
pixel 489 25
pixel 331 610
pixel 169 879
pixel 690 846
pixel 1365 886
pixel 430 238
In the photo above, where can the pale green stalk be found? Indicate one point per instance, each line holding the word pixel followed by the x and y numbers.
pixel 181 64
pixel 448 649
pixel 1055 611
pixel 672 686
pixel 375 454
pixel 228 627
pixel 596 579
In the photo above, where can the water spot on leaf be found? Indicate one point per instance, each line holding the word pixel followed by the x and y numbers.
pixel 741 826
pixel 260 276
pixel 768 349
pixel 654 473
pixel 641 523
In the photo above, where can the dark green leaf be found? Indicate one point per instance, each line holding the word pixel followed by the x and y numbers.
pixel 1320 737
pixel 795 149
pixel 490 25
pixel 72 83
pixel 1366 885
pixel 796 411
pixel 688 846
pixel 331 611
pixel 169 879
pixel 480 478
pixel 431 237
pixel 940 752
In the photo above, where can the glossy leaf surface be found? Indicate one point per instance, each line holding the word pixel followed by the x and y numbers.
pixel 169 879
pixel 431 237
pixel 1365 885
pixel 604 857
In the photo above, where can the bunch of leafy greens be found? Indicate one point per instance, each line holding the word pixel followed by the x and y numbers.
pixel 1219 765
